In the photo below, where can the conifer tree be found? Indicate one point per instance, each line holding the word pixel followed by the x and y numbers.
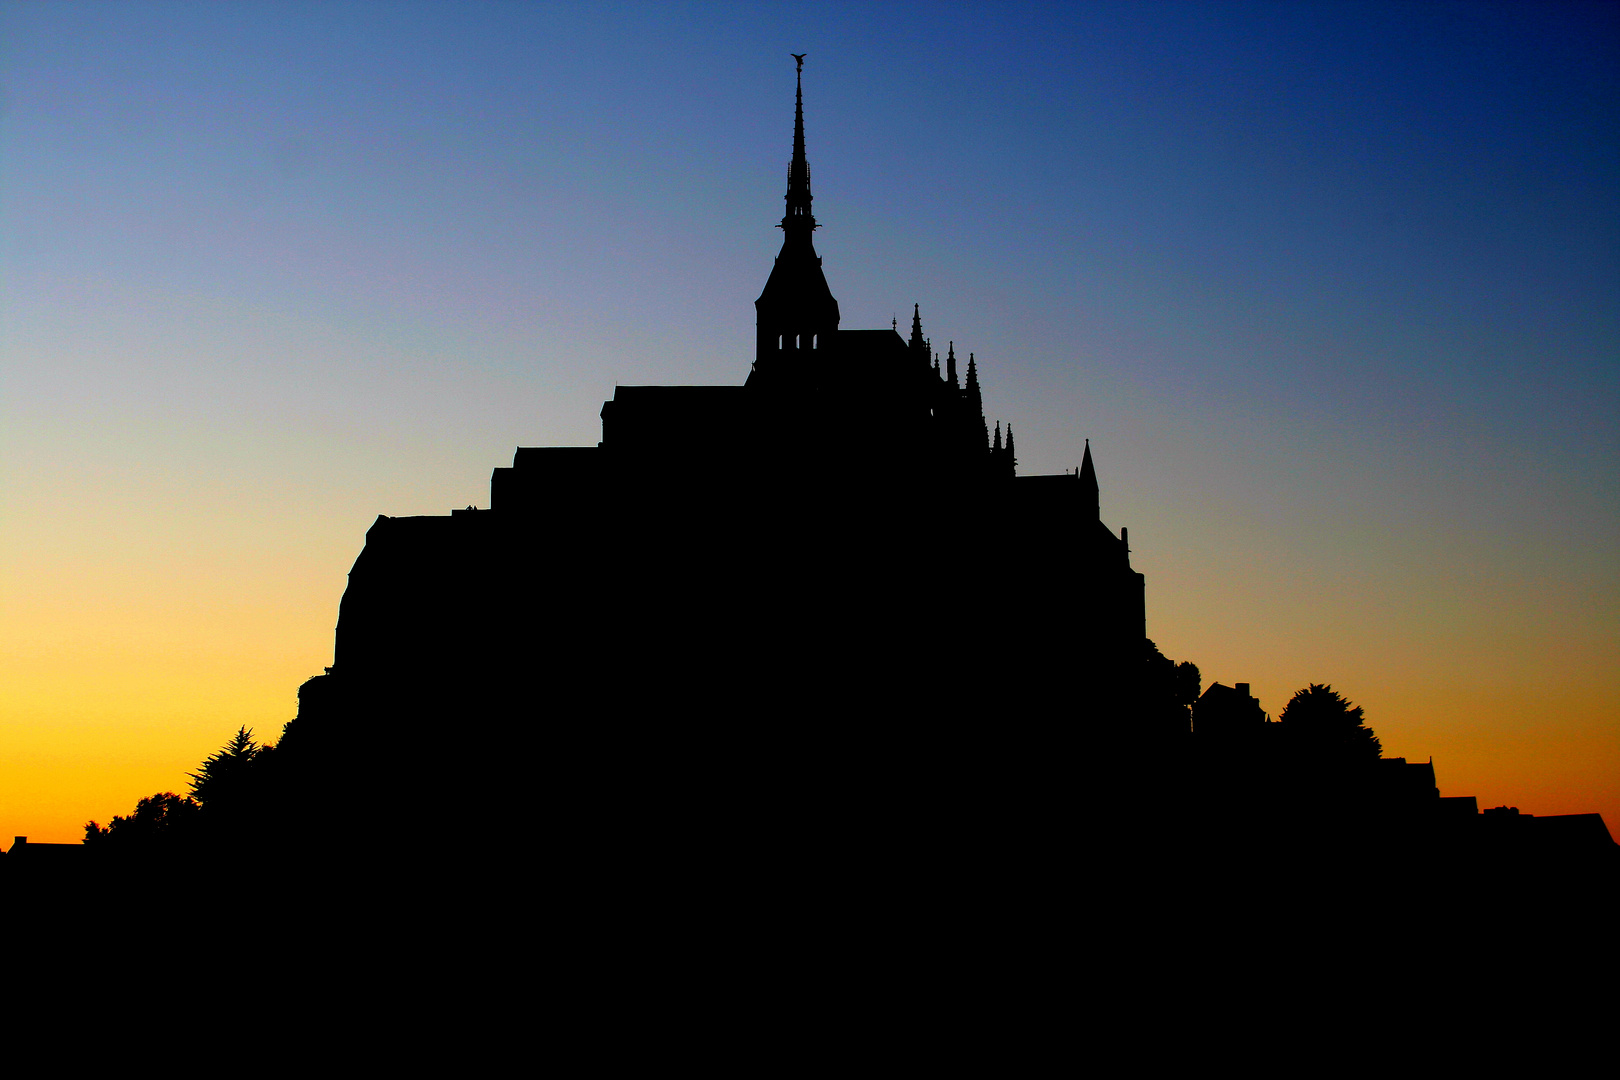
pixel 224 773
pixel 1321 723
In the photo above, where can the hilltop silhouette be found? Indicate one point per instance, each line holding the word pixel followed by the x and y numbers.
pixel 806 647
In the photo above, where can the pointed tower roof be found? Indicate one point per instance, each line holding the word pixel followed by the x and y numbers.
pixel 798 192
pixel 917 341
pixel 975 401
pixel 796 298
pixel 1088 483
pixel 950 365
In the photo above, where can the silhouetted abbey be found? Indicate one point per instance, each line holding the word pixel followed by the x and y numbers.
pixel 821 600
pixel 800 654
pixel 843 534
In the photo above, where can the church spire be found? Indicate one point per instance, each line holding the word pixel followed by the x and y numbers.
pixel 950 366
pixel 796 316
pixel 798 215
pixel 917 343
pixel 1088 484
pixel 976 400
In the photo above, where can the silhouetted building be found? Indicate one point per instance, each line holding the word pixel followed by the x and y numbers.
pixel 50 854
pixel 843 536
pixel 812 628
pixel 42 862
pixel 1405 784
pixel 774 650
pixel 1227 713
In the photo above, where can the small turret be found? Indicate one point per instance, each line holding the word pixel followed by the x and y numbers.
pixel 950 366
pixel 1088 485
pixel 976 400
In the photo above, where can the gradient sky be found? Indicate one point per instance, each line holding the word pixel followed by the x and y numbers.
pixel 1334 290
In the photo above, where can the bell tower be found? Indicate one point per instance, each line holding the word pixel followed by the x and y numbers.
pixel 796 316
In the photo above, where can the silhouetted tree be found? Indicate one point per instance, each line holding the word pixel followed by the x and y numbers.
pixel 156 818
pixel 1169 691
pixel 1318 722
pixel 225 774
pixel 229 794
